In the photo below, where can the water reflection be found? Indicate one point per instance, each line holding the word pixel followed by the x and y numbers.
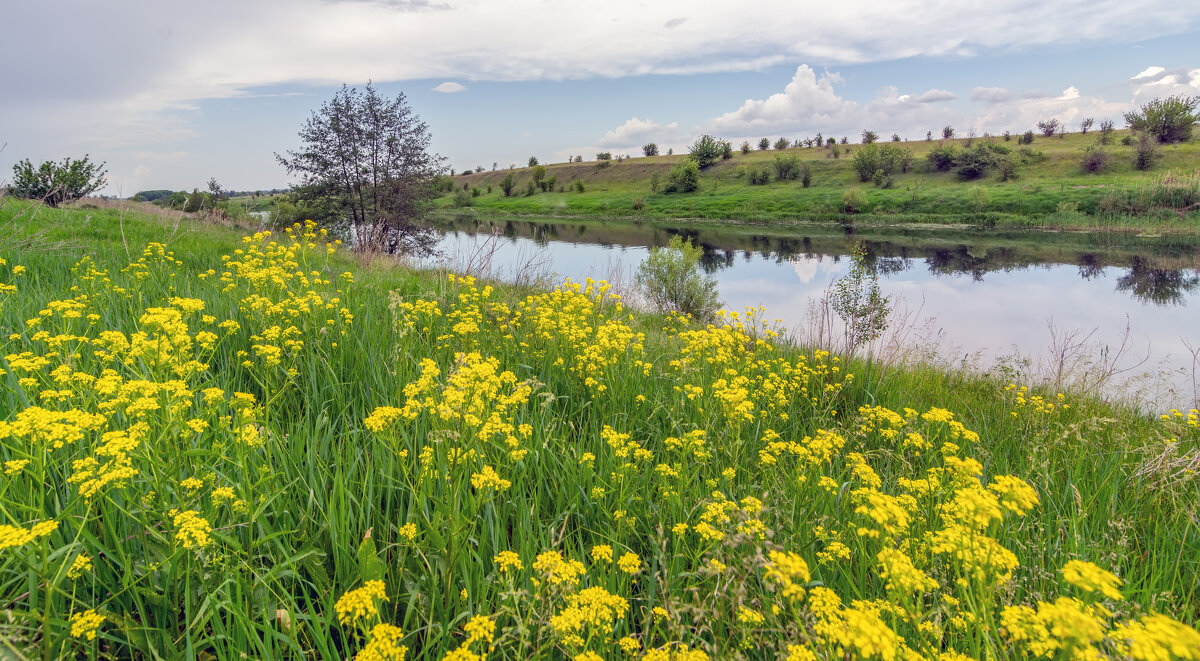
pixel 1156 270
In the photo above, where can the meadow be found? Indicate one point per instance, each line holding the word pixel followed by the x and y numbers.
pixel 224 444
pixel 1049 190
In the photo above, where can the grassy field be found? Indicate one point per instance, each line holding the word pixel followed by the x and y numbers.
pixel 1050 190
pixel 223 445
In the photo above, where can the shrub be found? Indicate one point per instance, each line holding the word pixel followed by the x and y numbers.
pixel 671 281
pixel 1007 136
pixel 979 198
pixel 1127 140
pixel 1095 159
pixel 845 140
pixel 895 137
pixel 869 137
pixel 758 175
pixel 782 143
pixel 805 175
pixel 533 161
pixel 787 168
pixel 507 184
pixel 604 156
pixel 705 151
pixel 548 184
pixel 745 146
pixel 655 179
pixel 1048 127
pixel 726 150
pixel 1106 129
pixel 195 202
pixel 973 163
pixel 579 188
pixel 1167 120
pixel 764 144
pixel 1027 138
pixel 650 149
pixel 883 180
pixel 947 132
pixel 55 183
pixel 853 200
pixel 530 189
pixel 462 198
pixel 866 162
pixel 1028 156
pixel 539 174
pixel 1146 154
pixel 684 178
pixel 1086 124
pixel 942 157
pixel 1006 167
pixel 603 163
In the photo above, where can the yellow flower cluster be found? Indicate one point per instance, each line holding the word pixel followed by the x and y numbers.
pixel 360 603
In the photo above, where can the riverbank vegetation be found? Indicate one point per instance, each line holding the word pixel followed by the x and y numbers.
pixel 221 444
pixel 1097 180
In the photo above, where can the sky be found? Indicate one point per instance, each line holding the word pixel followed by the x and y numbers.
pixel 171 94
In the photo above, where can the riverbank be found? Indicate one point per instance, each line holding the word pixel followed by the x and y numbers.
pixel 1050 189
pixel 336 454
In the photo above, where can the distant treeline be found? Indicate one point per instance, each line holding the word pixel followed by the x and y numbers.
pixel 179 198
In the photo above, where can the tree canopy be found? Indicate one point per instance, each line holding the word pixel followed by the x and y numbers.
pixel 366 159
pixel 55 183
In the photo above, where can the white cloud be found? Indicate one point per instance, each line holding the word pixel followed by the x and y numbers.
pixel 935 96
pixel 1149 71
pixel 990 94
pixel 637 132
pixel 450 87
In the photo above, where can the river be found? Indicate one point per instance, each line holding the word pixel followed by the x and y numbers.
pixel 1033 306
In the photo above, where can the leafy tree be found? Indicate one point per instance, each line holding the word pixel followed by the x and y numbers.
pixel 942 158
pixel 1026 138
pixel 764 144
pixel 869 137
pixel 214 188
pixel 1167 120
pixel 533 161
pixel 684 178
pixel 507 184
pixel 706 150
pixel 805 175
pixel 947 132
pixel 758 175
pixel 1086 124
pixel 783 143
pixel 604 156
pixel 726 150
pixel 1106 130
pixel 1048 127
pixel 671 281
pixel 1095 159
pixel 745 146
pixel 55 183
pixel 650 149
pixel 539 175
pixel 1147 152
pixel 895 137
pixel 368 157
pixel 857 299
pixel 787 168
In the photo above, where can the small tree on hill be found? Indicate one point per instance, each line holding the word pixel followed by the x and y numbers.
pixel 533 161
pixel 55 183
pixel 507 184
pixel 745 146
pixel 1106 129
pixel 650 149
pixel 947 132
pixel 1167 120
pixel 869 137
pixel 764 144
pixel 783 143
pixel 1048 127
pixel 1086 125
pixel 684 178
pixel 706 150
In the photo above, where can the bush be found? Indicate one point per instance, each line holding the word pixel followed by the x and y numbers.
pixel 1106 129
pixel 650 149
pixel 853 201
pixel 1026 138
pixel 805 175
pixel 869 137
pixel 1095 159
pixel 764 144
pixel 947 132
pixel 705 151
pixel 1086 124
pixel 530 189
pixel 726 150
pixel 539 175
pixel 745 146
pixel 758 175
pixel 655 179
pixel 782 143
pixel 55 183
pixel 579 188
pixel 973 163
pixel 671 281
pixel 1167 120
pixel 979 198
pixel 195 202
pixel 533 161
pixel 1006 167
pixel 888 158
pixel 883 180
pixel 507 184
pixel 1048 127
pixel 1146 154
pixel 895 137
pixel 684 178
pixel 787 168
pixel 942 157
pixel 604 156
pixel 462 198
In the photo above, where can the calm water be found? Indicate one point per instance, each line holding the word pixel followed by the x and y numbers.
pixel 985 296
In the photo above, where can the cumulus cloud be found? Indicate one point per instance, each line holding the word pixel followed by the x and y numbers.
pixel 637 132
pixel 450 87
pixel 935 96
pixel 990 95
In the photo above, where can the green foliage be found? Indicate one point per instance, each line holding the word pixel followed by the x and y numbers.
pixel 858 301
pixel 579 187
pixel 1026 138
pixel 533 161
pixel 745 146
pixel 764 144
pixel 655 180
pixel 530 189
pixel 980 198
pixel 1146 154
pixel 853 201
pixel 1048 127
pixel 55 183
pixel 870 137
pixel 1006 167
pixel 508 183
pixel 887 159
pixel 942 157
pixel 670 280
pixel 539 174
pixel 782 143
pixel 650 149
pixel 947 132
pixel 1167 120
pixel 806 175
pixel 726 150
pixel 443 183
pixel 706 150
pixel 462 198
pixel 758 175
pixel 975 161
pixel 604 156
pixel 684 178
pixel 151 195
pixel 1106 130
pixel 1095 159
pixel 1086 124
pixel 787 168
pixel 195 202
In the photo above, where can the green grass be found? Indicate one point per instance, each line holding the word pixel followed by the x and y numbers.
pixel 1042 196
pixel 1111 488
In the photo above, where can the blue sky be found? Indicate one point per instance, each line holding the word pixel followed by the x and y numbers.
pixel 172 94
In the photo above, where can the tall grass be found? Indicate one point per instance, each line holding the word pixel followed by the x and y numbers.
pixel 249 441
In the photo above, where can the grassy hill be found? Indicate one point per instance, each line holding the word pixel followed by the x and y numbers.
pixel 1050 189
